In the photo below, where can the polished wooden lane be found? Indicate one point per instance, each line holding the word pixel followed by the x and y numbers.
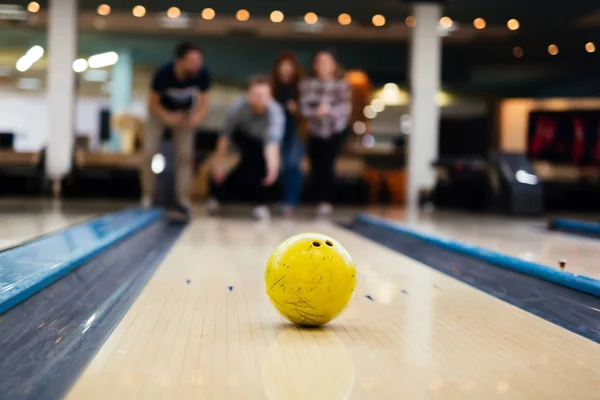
pixel 22 220
pixel 423 334
pixel 527 239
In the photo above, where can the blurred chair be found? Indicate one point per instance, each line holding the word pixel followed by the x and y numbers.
pixel 131 129
pixel 393 180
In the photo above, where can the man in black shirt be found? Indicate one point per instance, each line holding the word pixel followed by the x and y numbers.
pixel 178 100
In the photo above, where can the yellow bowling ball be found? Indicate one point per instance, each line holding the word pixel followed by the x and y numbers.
pixel 310 279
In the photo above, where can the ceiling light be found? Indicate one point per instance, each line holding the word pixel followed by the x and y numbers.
pixel 479 23
pixel 410 21
pixel 443 99
pixel 35 53
pixel 513 24
pixel 446 22
pixel 553 49
pixel 103 9
pixel 518 52
pixel 208 13
pixel 590 47
pixel 359 127
pixel 344 19
pixel 378 20
pixel 368 141
pixel 369 112
pixel 139 11
pixel 80 65
pixel 103 60
pixel 242 15
pixel 23 64
pixel 32 56
pixel 378 105
pixel 173 12
pixel 33 7
pixel 276 16
pixel 311 18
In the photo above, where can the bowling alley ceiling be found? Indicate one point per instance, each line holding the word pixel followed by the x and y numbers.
pixel 539 13
pixel 494 60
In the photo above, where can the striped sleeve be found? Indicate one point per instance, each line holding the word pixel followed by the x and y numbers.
pixel 309 102
pixel 341 107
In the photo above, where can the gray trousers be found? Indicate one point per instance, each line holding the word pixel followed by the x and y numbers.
pixel 183 143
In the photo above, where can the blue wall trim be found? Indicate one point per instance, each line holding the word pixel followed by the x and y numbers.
pixel 573 281
pixel 27 269
pixel 573 225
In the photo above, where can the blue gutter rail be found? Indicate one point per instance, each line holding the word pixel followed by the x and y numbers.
pixel 27 269
pixel 573 225
pixel 573 281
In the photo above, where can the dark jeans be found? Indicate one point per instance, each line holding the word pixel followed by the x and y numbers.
pixel 291 159
pixel 323 153
pixel 244 183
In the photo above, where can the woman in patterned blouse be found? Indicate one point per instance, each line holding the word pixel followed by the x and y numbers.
pixel 325 102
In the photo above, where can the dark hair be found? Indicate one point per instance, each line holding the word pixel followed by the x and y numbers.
pixel 258 80
pixel 339 71
pixel 183 48
pixel 298 73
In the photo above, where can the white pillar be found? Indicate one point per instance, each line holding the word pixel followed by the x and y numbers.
pixel 425 76
pixel 121 94
pixel 60 94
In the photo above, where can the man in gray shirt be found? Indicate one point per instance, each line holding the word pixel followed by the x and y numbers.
pixel 255 124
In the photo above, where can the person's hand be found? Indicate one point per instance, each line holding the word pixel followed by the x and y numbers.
pixel 195 119
pixel 271 177
pixel 292 106
pixel 323 110
pixel 174 119
pixel 218 172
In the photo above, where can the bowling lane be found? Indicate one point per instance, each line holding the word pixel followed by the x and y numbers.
pixel 203 328
pixel 527 239
pixel 23 220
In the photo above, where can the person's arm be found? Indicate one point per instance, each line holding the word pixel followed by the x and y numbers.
pixel 272 157
pixel 231 121
pixel 154 105
pixel 274 135
pixel 198 113
pixel 221 149
pixel 342 106
pixel 309 102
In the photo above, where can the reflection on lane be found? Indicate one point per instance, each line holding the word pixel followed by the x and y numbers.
pixel 307 364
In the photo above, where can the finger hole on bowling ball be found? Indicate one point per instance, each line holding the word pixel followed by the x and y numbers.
pixel 316 244
pixel 328 243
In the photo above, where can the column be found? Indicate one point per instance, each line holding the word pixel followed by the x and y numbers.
pixel 60 94
pixel 425 76
pixel 121 95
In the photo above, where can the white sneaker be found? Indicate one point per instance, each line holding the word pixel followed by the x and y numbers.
pixel 289 212
pixel 324 210
pixel 261 212
pixel 146 202
pixel 212 205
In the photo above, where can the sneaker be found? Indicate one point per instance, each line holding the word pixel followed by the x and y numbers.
pixel 324 210
pixel 184 209
pixel 289 212
pixel 261 212
pixel 146 202
pixel 212 205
